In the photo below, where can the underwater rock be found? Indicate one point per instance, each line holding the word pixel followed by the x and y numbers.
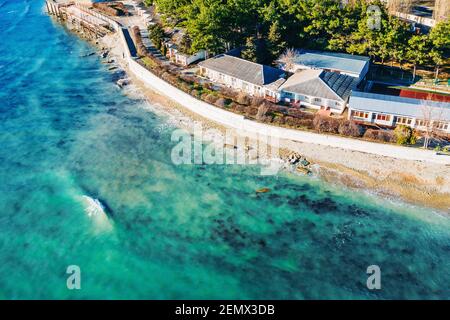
pixel 123 82
pixel 303 170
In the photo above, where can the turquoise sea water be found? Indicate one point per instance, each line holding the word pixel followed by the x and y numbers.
pixel 176 232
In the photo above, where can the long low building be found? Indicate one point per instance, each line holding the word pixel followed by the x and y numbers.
pixel 252 78
pixel 390 111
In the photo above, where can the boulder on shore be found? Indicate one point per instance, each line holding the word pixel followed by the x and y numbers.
pixel 294 158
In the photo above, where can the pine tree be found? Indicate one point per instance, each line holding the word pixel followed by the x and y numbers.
pixel 251 51
pixel 275 41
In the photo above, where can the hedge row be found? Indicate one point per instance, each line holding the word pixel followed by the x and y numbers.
pixel 113 9
pixel 140 47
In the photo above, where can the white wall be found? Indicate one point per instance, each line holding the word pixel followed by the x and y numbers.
pixel 187 60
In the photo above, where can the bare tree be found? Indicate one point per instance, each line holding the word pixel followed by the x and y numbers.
pixel 262 111
pixel 403 6
pixel 441 10
pixel 432 116
pixel 288 58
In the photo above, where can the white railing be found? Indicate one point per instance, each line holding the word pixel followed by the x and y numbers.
pixel 420 20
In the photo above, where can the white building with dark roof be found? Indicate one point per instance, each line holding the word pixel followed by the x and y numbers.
pixel 252 78
pixel 390 111
pixel 318 89
pixel 347 64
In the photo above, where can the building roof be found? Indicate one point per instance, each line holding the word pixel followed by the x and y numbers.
pixel 248 71
pixel 331 60
pixel 319 83
pixel 407 107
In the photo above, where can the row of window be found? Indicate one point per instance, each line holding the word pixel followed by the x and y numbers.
pixel 290 96
pixel 400 120
pixel 245 86
pixel 383 117
pixel 360 114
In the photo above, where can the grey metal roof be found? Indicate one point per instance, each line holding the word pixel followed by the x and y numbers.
pixel 407 107
pixel 339 83
pixel 331 60
pixel 248 71
pixel 319 83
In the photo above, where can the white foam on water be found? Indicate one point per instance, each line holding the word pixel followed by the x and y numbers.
pixel 96 212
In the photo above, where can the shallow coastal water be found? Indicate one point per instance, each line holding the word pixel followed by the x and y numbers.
pixel 175 232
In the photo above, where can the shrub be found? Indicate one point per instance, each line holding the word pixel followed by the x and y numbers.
pixel 262 111
pixel 220 103
pixel 184 86
pixel 187 78
pixel 279 120
pixel 251 111
pixel 326 124
pixel 405 135
pixel 305 123
pixel 294 112
pixel 140 47
pixel 211 98
pixel 349 128
pixel 257 101
pixel 112 9
pixel 228 93
pixel 242 98
pixel 195 93
pixel 232 106
pixel 156 34
pixel 277 109
pixel 379 135
pixel 239 108
pixel 208 86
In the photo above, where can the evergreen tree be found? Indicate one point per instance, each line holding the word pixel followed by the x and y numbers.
pixel 250 51
pixel 417 51
pixel 275 41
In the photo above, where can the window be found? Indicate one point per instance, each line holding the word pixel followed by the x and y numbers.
pixel 318 100
pixel 288 95
pixel 442 125
pixel 422 123
pixel 383 117
pixel 360 114
pixel 244 86
pixel 403 120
